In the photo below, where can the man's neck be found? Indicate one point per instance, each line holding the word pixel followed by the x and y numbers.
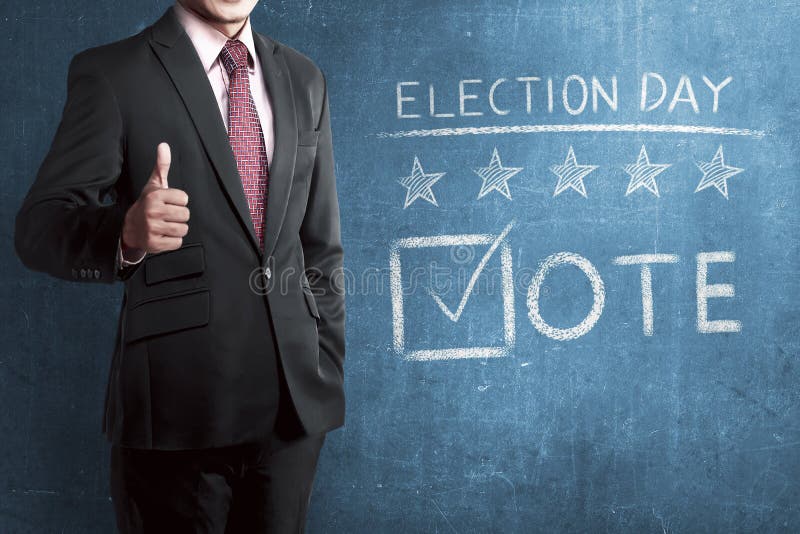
pixel 230 30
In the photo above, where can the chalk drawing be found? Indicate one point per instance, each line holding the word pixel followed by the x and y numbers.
pixel 597 90
pixel 571 175
pixel 598 290
pixel 463 96
pixel 574 85
pixel 401 99
pixel 643 106
pixel 454 316
pixel 432 108
pixel 716 89
pixel 418 184
pixel 495 177
pixel 494 242
pixel 528 96
pixel 689 98
pixel 643 173
pixel 647 280
pixel 492 103
pixel 565 95
pixel 567 128
pixel 706 291
pixel 716 173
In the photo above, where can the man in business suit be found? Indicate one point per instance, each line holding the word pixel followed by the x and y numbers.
pixel 194 162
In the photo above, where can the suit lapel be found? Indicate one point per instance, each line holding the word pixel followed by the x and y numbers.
pixel 281 168
pixel 178 56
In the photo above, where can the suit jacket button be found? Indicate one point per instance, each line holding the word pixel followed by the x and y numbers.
pixel 268 273
pixel 97 273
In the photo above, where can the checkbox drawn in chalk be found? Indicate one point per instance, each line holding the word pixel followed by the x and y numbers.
pixel 455 316
pixel 498 245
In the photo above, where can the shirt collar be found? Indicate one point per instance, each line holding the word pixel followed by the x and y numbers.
pixel 207 40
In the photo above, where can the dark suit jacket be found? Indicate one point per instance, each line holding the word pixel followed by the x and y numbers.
pixel 195 326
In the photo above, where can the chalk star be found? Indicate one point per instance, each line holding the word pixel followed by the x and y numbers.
pixel 418 184
pixel 643 173
pixel 495 177
pixel 716 173
pixel 570 174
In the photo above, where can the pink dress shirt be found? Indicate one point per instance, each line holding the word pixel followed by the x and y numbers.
pixel 208 42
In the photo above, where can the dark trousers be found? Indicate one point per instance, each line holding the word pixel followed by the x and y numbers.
pixel 244 489
pixel 248 488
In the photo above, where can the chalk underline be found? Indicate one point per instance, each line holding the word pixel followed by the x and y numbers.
pixel 557 128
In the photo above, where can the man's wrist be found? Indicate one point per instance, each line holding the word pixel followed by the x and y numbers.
pixel 129 255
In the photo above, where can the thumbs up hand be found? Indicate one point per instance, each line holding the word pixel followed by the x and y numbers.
pixel 158 178
pixel 157 221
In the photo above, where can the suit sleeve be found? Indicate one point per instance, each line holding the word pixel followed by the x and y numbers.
pixel 65 226
pixel 322 246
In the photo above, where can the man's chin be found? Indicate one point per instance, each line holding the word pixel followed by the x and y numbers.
pixel 226 18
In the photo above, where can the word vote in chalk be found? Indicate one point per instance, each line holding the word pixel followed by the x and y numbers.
pixel 704 292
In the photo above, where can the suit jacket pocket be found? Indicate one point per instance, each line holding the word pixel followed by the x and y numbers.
pixel 168 313
pixel 184 262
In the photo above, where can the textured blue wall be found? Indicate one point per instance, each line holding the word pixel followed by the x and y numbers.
pixel 614 430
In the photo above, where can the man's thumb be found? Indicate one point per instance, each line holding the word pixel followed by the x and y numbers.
pixel 161 170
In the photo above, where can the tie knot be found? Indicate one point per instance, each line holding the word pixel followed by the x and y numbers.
pixel 234 55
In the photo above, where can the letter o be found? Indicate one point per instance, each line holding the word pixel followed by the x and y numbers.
pixel 565 94
pixel 598 290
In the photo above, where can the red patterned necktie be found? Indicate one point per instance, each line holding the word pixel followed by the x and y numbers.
pixel 245 134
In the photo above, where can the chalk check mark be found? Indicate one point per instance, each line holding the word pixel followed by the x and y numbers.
pixel 473 279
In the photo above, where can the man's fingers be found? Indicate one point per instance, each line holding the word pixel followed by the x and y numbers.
pixel 162 244
pixel 161 169
pixel 170 229
pixel 163 212
pixel 175 197
pixel 178 214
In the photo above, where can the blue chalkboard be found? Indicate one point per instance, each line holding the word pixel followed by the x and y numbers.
pixel 571 234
